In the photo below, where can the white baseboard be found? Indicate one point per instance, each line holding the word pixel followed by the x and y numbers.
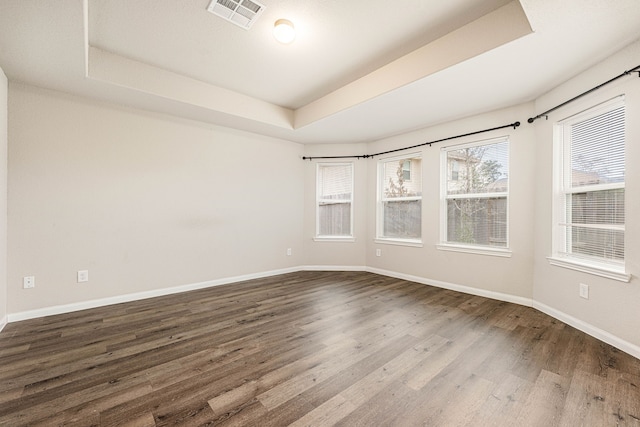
pixel 333 268
pixel 589 329
pixel 595 332
pixel 458 288
pixel 585 327
pixel 68 308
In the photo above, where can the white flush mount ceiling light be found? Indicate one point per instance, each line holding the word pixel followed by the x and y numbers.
pixel 283 31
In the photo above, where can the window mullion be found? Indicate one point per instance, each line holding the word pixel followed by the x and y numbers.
pixel 477 196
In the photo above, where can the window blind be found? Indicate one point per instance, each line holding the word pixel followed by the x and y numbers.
pixel 334 199
pixel 594 195
pixel 597 149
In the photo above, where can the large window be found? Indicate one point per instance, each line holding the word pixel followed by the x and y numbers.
pixel 334 200
pixel 590 179
pixel 475 190
pixel 400 199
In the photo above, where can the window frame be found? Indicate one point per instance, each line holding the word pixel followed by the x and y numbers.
pixel 330 237
pixel 562 186
pixel 381 199
pixel 477 249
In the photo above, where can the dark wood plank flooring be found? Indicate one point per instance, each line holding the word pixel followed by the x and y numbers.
pixel 313 349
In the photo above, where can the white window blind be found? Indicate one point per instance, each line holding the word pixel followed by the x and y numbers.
pixel 334 198
pixel 592 192
pixel 400 198
pixel 476 187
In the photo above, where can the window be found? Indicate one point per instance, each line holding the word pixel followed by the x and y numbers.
pixel 455 170
pixel 475 190
pixel 400 199
pixel 406 170
pixel 334 200
pixel 589 220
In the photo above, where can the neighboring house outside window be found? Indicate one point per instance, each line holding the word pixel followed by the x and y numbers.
pixel 589 182
pixel 455 170
pixel 399 215
pixel 406 170
pixel 334 200
pixel 475 193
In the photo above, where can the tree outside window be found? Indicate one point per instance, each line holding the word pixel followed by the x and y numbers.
pixel 477 184
pixel 400 199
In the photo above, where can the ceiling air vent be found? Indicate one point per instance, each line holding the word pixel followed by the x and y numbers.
pixel 243 13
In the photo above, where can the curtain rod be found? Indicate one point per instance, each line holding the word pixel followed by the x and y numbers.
pixel 367 156
pixel 545 114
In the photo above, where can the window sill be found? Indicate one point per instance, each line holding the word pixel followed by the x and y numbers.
pixel 400 242
pixel 345 239
pixel 499 252
pixel 610 272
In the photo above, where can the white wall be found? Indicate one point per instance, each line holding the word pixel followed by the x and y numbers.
pixel 3 198
pixel 148 202
pixel 512 277
pixel 612 311
pixel 328 254
pixel 143 201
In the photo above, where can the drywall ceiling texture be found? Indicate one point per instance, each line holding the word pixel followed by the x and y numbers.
pixel 359 71
pixel 355 37
pixel 144 202
pixel 464 40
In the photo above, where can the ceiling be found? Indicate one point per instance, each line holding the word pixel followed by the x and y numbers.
pixel 357 71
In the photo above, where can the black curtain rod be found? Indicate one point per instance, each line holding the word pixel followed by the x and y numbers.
pixel 545 114
pixel 367 156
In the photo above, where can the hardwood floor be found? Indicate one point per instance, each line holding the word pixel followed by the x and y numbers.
pixel 313 349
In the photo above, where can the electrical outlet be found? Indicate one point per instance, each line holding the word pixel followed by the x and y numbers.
pixel 28 282
pixel 584 291
pixel 288 251
pixel 378 252
pixel 83 276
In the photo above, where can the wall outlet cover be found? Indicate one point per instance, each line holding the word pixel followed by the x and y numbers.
pixel 28 282
pixel 584 291
pixel 83 276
